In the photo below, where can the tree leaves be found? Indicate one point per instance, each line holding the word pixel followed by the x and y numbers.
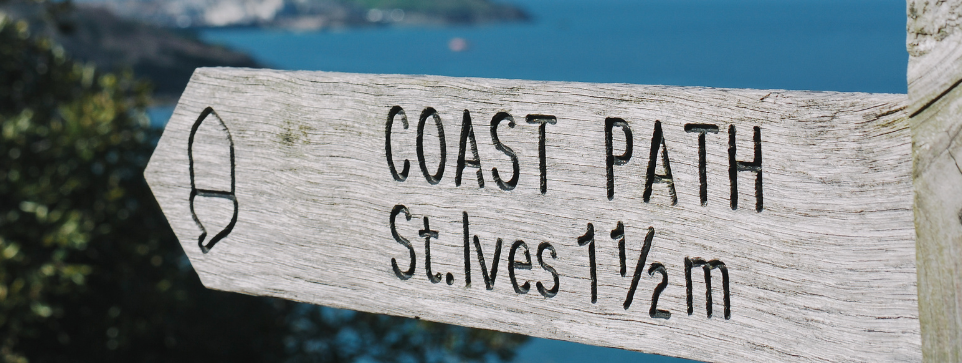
pixel 90 270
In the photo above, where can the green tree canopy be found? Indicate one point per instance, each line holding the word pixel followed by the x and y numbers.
pixel 90 270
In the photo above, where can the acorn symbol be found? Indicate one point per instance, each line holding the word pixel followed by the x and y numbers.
pixel 213 205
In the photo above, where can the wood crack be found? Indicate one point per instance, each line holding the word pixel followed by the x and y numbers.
pixel 937 98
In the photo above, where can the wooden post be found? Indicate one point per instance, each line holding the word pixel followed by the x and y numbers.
pixel 934 43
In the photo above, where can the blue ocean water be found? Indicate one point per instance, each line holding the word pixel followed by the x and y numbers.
pixel 837 45
pixel 828 45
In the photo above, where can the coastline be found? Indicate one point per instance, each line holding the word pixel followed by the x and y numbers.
pixel 311 15
pixel 109 36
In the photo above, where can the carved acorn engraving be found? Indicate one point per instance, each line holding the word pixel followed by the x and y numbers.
pixel 213 204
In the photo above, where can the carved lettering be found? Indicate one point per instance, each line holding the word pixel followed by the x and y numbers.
pixel 519 265
pixel 513 182
pixel 549 293
pixel 735 166
pixel 488 276
pixel 658 143
pixel 427 233
pixel 654 312
pixel 519 254
pixel 436 177
pixel 619 234
pixel 642 259
pixel 468 139
pixel 519 258
pixel 707 267
pixel 702 130
pixel 403 275
pixel 589 239
pixel 542 121
pixel 403 175
pixel 610 158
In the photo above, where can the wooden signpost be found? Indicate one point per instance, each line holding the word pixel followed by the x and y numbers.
pixel 711 224
pixel 934 44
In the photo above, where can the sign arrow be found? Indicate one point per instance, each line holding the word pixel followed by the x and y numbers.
pixel 710 224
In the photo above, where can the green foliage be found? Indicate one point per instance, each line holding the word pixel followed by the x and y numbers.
pixel 58 193
pixel 89 269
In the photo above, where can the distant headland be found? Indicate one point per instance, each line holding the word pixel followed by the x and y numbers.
pixel 156 39
pixel 310 14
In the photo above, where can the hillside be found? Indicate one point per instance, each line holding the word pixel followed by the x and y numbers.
pixel 92 34
pixel 149 36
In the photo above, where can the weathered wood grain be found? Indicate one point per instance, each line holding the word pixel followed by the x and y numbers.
pixel 825 271
pixel 935 71
pixel 933 35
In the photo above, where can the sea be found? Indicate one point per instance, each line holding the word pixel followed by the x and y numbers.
pixel 819 45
